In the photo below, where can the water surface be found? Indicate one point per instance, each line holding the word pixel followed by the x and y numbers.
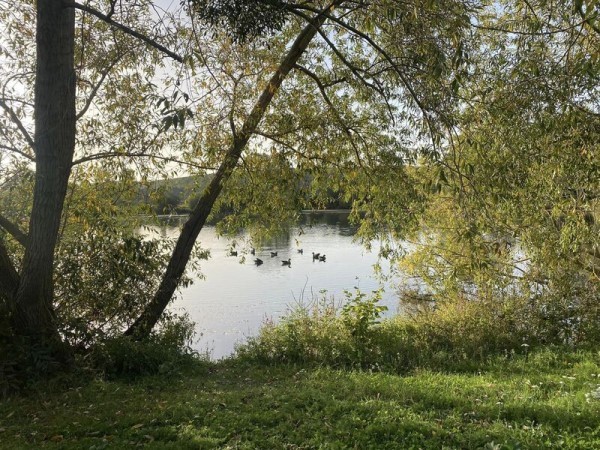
pixel 236 296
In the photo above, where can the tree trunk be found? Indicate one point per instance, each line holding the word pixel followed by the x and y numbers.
pixel 54 147
pixel 9 278
pixel 142 327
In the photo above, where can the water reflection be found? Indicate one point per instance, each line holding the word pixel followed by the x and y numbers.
pixel 236 295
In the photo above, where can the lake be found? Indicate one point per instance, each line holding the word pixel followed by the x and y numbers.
pixel 236 296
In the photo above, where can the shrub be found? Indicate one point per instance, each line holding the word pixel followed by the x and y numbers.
pixel 320 333
pixel 165 351
pixel 453 335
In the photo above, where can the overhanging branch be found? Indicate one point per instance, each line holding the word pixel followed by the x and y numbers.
pixel 124 28
pixel 105 155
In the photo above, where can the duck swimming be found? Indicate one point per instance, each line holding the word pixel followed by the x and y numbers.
pixel 258 261
pixel 287 263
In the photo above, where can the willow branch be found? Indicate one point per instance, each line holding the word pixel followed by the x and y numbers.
pixel 17 122
pixel 105 155
pixel 96 88
pixel 394 66
pixel 13 230
pixel 18 152
pixel 124 28
pixel 333 110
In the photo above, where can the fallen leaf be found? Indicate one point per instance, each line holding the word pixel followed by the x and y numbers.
pixel 139 425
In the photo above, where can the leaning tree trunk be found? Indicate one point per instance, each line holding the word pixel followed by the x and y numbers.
pixel 144 324
pixel 54 144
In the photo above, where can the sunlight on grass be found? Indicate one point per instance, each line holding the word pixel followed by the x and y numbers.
pixel 507 404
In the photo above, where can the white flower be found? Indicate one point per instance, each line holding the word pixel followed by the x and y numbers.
pixel 593 395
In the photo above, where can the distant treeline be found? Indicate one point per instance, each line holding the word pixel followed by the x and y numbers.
pixel 180 195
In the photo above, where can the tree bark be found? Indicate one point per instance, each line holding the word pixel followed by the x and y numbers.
pixel 54 142
pixel 9 278
pixel 144 324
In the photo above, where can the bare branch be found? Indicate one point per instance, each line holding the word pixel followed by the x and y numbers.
pixel 107 18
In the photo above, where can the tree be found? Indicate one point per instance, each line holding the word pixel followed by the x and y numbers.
pixel 383 74
pixel 514 200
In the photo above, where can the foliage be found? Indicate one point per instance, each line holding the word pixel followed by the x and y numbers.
pixel 453 333
pixel 511 203
pixel 468 127
pixel 244 19
pixel 359 313
pixel 167 351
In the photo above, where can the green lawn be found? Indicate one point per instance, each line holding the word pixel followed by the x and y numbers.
pixel 535 403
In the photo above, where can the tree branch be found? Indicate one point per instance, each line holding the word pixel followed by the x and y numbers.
pixel 107 18
pixel 104 155
pixel 18 152
pixel 18 123
pixel 96 88
pixel 588 20
pixel 384 54
pixel 333 110
pixel 13 230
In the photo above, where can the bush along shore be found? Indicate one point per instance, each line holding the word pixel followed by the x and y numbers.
pixel 324 378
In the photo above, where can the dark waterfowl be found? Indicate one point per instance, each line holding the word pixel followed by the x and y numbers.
pixel 301 251
pixel 322 258
pixel 252 252
pixel 258 261
pixel 232 253
pixel 315 255
pixel 273 254
pixel 287 263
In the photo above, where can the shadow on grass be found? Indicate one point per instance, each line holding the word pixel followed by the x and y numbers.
pixel 246 406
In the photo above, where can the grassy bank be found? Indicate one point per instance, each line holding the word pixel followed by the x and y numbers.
pixel 543 401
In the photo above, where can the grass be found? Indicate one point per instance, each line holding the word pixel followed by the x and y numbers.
pixel 535 402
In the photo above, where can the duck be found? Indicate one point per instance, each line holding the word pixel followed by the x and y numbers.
pixel 273 254
pixel 252 251
pixel 287 263
pixel 258 261
pixel 301 251
pixel 315 255
pixel 233 253
pixel 322 258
